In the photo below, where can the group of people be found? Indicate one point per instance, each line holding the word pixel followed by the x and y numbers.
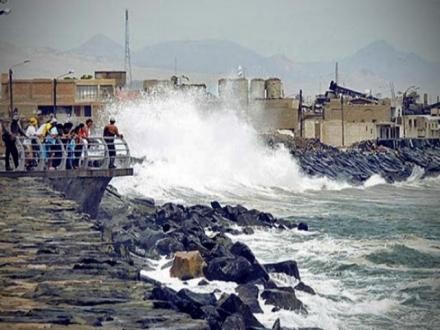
pixel 44 140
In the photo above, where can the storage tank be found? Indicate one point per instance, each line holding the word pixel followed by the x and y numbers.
pixel 274 88
pixel 233 90
pixel 257 90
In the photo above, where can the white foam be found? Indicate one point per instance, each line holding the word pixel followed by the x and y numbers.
pixel 193 150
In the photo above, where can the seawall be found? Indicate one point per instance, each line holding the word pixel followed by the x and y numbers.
pixel 58 269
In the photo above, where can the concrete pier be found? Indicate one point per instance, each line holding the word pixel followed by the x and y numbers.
pixel 57 270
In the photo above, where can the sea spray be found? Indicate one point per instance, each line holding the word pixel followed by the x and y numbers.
pixel 192 150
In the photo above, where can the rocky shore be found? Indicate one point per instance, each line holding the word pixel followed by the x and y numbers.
pixel 392 160
pixel 142 230
pixel 61 268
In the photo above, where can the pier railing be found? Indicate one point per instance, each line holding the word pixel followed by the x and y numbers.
pixel 60 154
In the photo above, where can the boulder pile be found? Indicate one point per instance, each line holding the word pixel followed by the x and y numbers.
pixel 392 160
pixel 198 240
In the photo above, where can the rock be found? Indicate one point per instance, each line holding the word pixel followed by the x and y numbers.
pixel 231 304
pixel 203 282
pixel 234 321
pixel 248 231
pixel 229 269
pixel 303 226
pixel 248 293
pixel 242 250
pixel 303 287
pixel 187 265
pixel 168 245
pixel 277 325
pixel 216 205
pixel 283 298
pixel 288 267
pixel 258 271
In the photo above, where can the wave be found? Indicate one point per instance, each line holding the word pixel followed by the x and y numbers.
pixel 190 148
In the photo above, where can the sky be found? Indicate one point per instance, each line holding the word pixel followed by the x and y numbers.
pixel 303 30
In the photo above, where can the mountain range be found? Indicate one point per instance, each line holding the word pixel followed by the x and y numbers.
pixel 372 67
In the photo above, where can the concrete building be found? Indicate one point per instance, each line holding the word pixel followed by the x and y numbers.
pixel 269 115
pixel 422 126
pixel 351 122
pixel 77 99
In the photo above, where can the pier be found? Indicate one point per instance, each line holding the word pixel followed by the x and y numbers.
pixel 82 177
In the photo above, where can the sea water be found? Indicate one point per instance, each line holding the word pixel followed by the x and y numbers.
pixel 372 253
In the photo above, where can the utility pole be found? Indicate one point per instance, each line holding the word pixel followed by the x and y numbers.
pixel 336 73
pixel 127 61
pixel 342 121
pixel 11 92
pixel 300 113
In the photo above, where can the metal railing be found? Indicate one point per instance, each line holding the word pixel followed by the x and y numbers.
pixel 57 154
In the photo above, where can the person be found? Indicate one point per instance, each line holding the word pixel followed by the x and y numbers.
pixel 78 133
pixel 9 137
pixel 110 131
pixel 29 143
pixel 40 118
pixel 88 128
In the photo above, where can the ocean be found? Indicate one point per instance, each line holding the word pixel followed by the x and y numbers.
pixel 372 252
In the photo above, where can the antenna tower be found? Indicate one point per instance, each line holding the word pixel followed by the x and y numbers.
pixel 127 61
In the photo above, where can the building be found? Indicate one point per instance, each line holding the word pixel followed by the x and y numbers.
pixel 422 126
pixel 77 99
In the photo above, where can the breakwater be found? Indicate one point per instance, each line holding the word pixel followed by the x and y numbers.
pixel 57 268
pixel 393 160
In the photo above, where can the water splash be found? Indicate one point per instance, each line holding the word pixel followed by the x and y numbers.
pixel 189 149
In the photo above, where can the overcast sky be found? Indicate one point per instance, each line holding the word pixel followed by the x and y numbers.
pixel 303 30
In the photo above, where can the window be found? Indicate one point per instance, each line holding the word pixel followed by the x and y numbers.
pixel 410 123
pixel 87 92
pixel 77 110
pixel 87 111
pixel 106 91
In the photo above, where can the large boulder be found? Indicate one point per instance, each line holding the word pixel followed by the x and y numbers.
pixel 232 304
pixel 229 269
pixel 168 245
pixel 187 265
pixel 288 267
pixel 234 321
pixel 284 298
pixel 304 287
pixel 248 293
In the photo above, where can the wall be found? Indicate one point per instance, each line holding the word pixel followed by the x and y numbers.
pixel 273 114
pixel 358 112
pixel 331 132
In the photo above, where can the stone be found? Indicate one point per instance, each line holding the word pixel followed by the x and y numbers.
pixel 303 226
pixel 248 293
pixel 234 321
pixel 231 304
pixel 187 265
pixel 248 231
pixel 215 205
pixel 229 269
pixel 288 267
pixel 284 298
pixel 168 245
pixel 304 287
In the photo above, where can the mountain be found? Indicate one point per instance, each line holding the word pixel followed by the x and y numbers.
pixel 100 46
pixel 208 56
pixel 384 60
pixel 373 67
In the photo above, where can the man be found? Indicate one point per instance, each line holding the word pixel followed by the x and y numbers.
pixel 40 118
pixel 9 138
pixel 110 131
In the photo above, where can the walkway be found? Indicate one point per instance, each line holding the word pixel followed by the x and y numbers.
pixel 56 270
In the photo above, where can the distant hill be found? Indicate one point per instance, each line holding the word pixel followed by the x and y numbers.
pixel 372 67
pixel 208 56
pixel 100 46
